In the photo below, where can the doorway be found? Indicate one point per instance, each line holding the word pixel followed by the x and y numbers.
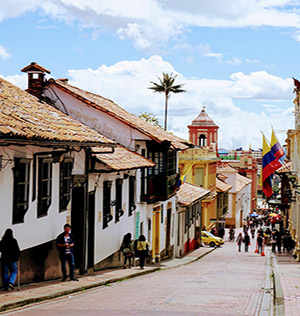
pixel 168 232
pixel 77 223
pixel 91 229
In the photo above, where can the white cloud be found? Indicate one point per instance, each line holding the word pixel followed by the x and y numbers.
pixel 252 61
pixel 3 53
pixel 127 84
pixel 18 80
pixel 151 23
pixel 205 50
pixel 133 32
pixel 234 61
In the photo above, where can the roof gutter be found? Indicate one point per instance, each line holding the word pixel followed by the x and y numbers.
pixel 51 143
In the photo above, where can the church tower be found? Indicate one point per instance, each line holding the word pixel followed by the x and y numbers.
pixel 203 132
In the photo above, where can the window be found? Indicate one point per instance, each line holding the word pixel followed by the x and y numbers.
pixel 131 199
pixel 187 219
pixel 158 159
pixel 21 172
pixel 118 209
pixel 107 217
pixel 171 163
pixel 44 186
pixel 65 183
pixel 202 140
pixel 199 176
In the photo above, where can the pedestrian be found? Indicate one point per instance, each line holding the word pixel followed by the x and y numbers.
pixel 221 232
pixel 267 235
pixel 252 231
pixel 239 241
pixel 279 241
pixel 246 240
pixel 65 246
pixel 273 241
pixel 259 243
pixel 231 234
pixel 142 247
pixel 10 254
pixel 127 250
pixel 213 231
pixel 287 241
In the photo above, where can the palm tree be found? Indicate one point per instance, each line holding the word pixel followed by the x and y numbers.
pixel 166 85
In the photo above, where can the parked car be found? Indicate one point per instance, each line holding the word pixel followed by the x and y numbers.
pixel 210 239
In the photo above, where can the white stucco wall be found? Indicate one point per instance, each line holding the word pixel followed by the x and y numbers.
pixel 34 230
pixel 108 240
pixel 96 119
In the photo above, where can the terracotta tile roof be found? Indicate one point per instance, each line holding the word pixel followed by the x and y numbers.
pixel 222 186
pixel 285 168
pixel 203 119
pixel 225 168
pixel 111 108
pixel 23 117
pixel 189 193
pixel 33 67
pixel 241 182
pixel 122 159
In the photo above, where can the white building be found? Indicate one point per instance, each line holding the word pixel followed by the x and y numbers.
pixel 189 217
pixel 239 199
pixel 154 215
pixel 43 160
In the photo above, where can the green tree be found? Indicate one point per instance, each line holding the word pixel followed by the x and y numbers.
pixel 149 117
pixel 166 85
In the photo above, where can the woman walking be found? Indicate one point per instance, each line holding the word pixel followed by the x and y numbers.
pixel 127 250
pixel 10 251
pixel 142 249
pixel 246 240
pixel 239 241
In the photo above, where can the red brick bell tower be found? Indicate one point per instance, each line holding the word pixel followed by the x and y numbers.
pixel 203 132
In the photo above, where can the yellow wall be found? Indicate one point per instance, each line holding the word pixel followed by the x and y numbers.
pixel 201 166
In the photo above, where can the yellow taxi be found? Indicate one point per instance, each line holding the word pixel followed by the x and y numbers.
pixel 209 239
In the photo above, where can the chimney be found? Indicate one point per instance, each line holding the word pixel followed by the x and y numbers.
pixel 36 74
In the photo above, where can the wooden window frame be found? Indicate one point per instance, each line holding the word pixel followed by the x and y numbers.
pixel 44 186
pixel 131 197
pixel 21 172
pixel 107 217
pixel 118 207
pixel 65 183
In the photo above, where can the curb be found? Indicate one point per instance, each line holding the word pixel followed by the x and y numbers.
pixel 279 309
pixel 24 302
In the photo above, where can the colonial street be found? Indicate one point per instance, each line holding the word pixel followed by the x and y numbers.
pixel 224 282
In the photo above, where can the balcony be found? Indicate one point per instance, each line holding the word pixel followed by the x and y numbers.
pixel 160 187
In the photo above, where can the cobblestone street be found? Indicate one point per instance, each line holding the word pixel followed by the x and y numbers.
pixel 224 282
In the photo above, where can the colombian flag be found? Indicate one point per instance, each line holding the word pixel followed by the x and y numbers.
pixel 275 146
pixel 183 177
pixel 270 165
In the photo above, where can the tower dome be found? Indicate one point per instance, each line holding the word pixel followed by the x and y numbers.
pixel 203 131
pixel 203 119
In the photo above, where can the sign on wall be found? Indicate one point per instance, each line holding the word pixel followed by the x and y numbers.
pixel 137 225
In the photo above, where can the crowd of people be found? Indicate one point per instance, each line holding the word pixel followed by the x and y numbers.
pixel 261 231
pixel 279 239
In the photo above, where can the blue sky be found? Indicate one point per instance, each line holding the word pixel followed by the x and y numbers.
pixel 236 58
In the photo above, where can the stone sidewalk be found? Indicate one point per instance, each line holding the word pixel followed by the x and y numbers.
pixel 287 284
pixel 37 292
